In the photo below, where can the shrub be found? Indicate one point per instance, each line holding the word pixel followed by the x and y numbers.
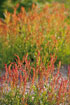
pixel 45 86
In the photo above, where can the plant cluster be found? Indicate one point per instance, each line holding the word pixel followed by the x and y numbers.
pixel 43 29
pixel 45 86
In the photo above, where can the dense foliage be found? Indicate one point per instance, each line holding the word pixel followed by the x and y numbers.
pixel 34 38
pixel 44 29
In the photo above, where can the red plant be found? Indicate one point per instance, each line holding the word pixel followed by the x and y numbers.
pixel 17 76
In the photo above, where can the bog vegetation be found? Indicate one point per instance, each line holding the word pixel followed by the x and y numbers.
pixel 24 84
pixel 44 29
pixel 32 44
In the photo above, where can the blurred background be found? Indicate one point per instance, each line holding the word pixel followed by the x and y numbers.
pixel 10 4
